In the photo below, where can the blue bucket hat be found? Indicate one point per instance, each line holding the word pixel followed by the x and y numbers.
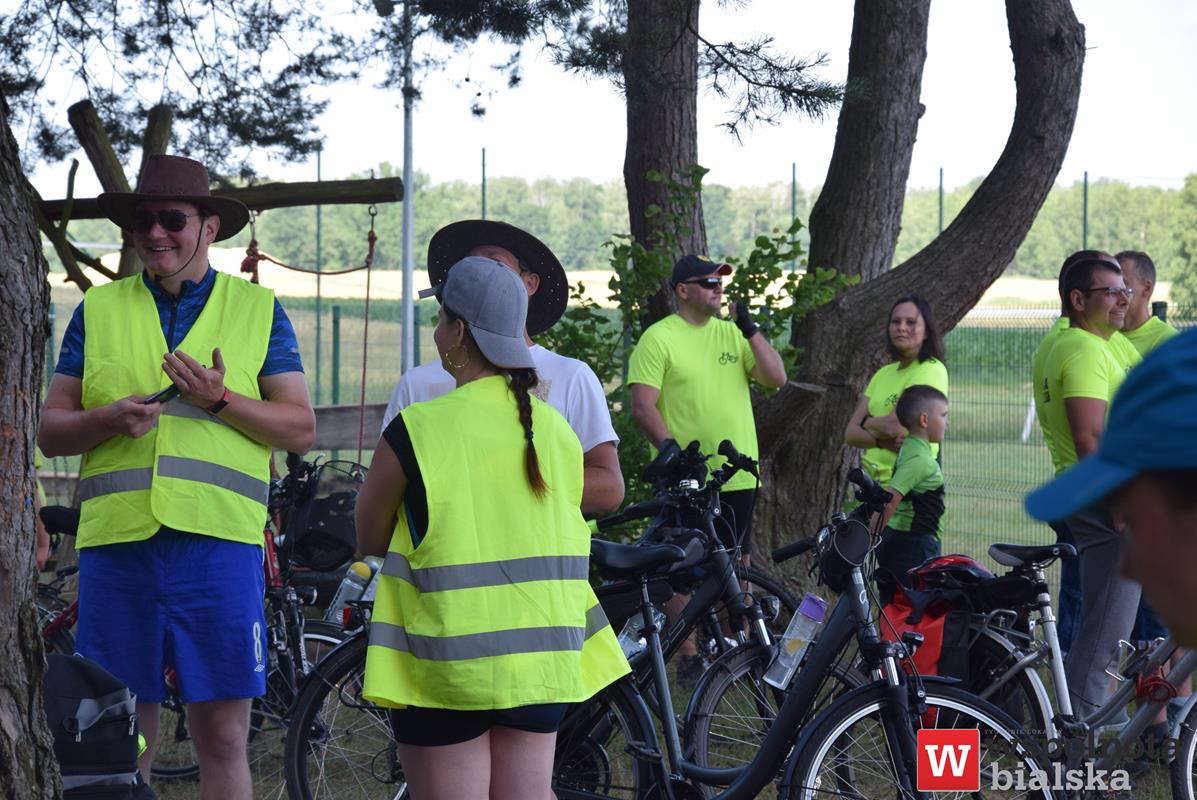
pixel 1152 425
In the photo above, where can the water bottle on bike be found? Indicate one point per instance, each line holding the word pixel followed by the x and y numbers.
pixel 801 631
pixel 353 585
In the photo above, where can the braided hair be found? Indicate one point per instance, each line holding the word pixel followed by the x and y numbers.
pixel 522 383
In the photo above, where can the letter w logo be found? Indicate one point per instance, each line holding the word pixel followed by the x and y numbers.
pixel 949 760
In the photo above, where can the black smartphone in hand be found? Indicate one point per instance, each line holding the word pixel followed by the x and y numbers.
pixel 164 396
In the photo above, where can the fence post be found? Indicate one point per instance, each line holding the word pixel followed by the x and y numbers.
pixel 415 336
pixel 1085 214
pixel 336 354
pixel 1159 308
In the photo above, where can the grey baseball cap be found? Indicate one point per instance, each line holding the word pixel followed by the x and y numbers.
pixel 494 303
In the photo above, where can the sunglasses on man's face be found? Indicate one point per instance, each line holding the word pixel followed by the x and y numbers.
pixel 170 219
pixel 706 283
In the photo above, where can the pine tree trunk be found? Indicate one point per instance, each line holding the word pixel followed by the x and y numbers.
pixel 854 229
pixel 660 68
pixel 27 765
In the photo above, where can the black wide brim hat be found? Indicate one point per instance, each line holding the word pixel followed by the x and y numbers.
pixel 453 242
pixel 175 178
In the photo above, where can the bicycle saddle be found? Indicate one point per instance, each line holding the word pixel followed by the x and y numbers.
pixel 625 560
pixel 1026 555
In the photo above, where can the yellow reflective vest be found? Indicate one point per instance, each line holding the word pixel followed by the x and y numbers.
pixel 493 608
pixel 192 472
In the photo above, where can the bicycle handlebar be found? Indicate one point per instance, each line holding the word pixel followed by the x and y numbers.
pixel 794 549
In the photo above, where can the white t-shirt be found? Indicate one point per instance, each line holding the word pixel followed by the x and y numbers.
pixel 568 385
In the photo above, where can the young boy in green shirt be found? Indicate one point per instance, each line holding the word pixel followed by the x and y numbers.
pixel 914 517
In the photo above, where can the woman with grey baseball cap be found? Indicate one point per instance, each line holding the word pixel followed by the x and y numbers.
pixel 484 626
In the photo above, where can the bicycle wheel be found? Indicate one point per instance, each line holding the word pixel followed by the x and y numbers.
pixel 733 707
pixel 845 752
pixel 340 745
pixel 990 657
pixel 174 753
pixel 1183 768
pixel 598 743
pixel 272 713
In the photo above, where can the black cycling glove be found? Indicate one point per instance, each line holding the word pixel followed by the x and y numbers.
pixel 744 321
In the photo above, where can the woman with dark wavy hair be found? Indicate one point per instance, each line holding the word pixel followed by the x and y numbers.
pixel 484 626
pixel 914 342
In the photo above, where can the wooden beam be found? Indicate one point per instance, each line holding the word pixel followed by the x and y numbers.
pixel 337 426
pixel 89 130
pixel 272 195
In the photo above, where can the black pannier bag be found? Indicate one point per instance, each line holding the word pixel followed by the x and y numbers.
pixel 93 718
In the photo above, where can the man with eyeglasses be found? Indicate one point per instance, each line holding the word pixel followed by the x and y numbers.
pixel 1081 373
pixel 173 487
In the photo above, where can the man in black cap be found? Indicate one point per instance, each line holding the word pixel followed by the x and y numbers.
pixel 174 481
pixel 567 384
pixel 689 378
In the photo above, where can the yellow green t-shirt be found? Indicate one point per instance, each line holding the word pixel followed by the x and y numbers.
pixel 918 478
pixel 1121 346
pixel 883 391
pixel 1080 364
pixel 702 373
pixel 1150 335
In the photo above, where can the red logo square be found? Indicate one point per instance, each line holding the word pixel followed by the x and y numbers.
pixel 949 760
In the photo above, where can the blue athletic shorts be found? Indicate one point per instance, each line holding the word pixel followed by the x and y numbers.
pixel 178 600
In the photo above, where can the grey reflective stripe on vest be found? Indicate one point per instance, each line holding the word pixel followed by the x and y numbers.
pixel 489 573
pixel 121 480
pixel 193 469
pixel 596 620
pixel 476 645
pixel 108 779
pixel 177 408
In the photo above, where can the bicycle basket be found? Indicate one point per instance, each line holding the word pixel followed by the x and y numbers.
pixel 320 531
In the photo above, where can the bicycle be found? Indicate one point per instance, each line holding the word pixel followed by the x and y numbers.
pixel 330 712
pixel 294 643
pixel 1006 654
pixel 607 746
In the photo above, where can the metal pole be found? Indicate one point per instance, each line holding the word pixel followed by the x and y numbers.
pixel 407 337
pixel 941 199
pixel 319 253
pixel 793 207
pixel 1085 214
pixel 336 354
pixel 484 183
pixel 1159 308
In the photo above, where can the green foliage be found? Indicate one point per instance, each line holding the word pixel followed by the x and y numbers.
pixel 1184 287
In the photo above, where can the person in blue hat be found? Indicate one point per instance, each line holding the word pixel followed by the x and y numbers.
pixel 1145 473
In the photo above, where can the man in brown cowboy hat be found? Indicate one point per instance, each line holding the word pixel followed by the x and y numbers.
pixel 567 384
pixel 173 483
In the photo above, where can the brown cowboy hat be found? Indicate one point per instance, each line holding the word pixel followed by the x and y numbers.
pixel 175 178
pixel 453 242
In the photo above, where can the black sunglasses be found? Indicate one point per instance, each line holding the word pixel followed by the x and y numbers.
pixel 170 219
pixel 707 283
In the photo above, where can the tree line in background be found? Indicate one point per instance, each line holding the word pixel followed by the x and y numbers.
pixel 576 216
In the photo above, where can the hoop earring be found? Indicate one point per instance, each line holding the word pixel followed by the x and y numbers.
pixel 449 361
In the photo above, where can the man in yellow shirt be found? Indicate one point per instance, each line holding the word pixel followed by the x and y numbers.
pixel 689 378
pixel 1081 373
pixel 1145 331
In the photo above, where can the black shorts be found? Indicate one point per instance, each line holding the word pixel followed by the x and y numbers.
pixel 737 510
pixel 438 727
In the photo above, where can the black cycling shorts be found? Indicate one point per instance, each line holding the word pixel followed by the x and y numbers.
pixel 438 727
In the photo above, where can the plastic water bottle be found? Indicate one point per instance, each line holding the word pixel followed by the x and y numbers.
pixel 801 631
pixel 372 587
pixel 352 585
pixel 631 638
